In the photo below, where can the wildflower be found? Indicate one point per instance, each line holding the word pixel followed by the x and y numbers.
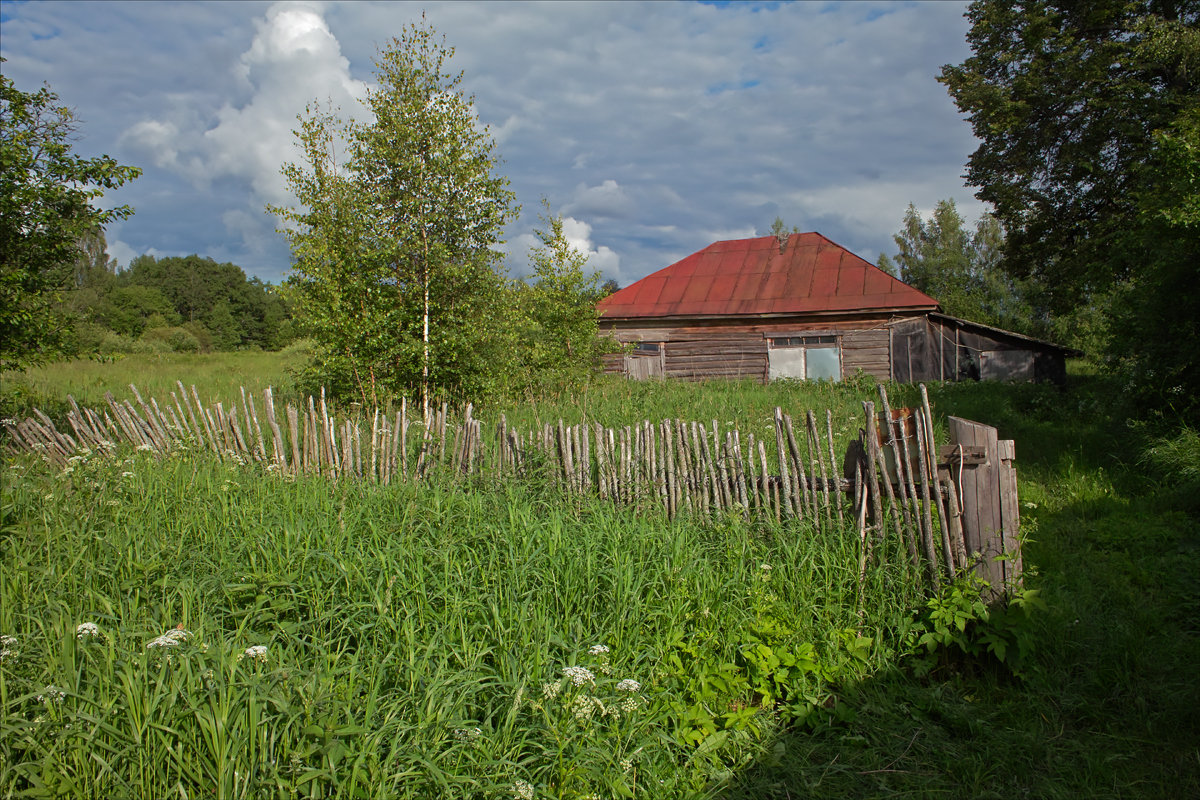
pixel 626 765
pixel 522 790
pixel 8 647
pixel 584 707
pixel 126 474
pixel 629 685
pixel 551 690
pixel 630 705
pixel 145 448
pixel 579 675
pixel 172 638
pixel 258 652
pixel 467 734
pixel 598 650
pixel 51 694
pixel 766 572
pixel 87 630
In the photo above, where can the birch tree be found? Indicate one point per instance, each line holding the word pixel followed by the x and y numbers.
pixel 393 241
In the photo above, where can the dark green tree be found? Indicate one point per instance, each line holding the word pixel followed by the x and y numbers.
pixel 46 196
pixel 1066 99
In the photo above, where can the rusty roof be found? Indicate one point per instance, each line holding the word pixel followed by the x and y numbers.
pixel 755 276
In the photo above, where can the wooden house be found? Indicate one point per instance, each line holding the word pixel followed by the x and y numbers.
pixel 803 307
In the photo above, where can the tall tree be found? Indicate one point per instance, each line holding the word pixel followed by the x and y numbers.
pixel 561 343
pixel 404 224
pixel 1066 98
pixel 960 269
pixel 46 195
pixel 1086 114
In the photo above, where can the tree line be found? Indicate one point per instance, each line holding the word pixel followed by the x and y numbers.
pixel 179 304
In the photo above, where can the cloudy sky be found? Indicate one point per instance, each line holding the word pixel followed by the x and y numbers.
pixel 655 128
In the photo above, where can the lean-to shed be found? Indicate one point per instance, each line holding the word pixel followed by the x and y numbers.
pixel 803 307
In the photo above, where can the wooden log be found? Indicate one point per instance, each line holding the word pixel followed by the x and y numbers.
pixel 948 553
pixel 155 430
pixel 958 542
pixel 740 468
pixel 813 439
pixel 206 421
pixel 787 509
pixel 804 508
pixel 875 469
pixel 926 501
pixel 908 537
pixel 832 460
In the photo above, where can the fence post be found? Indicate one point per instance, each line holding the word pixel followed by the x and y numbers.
pixel 990 516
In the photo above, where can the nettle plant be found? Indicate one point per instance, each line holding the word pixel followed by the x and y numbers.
pixel 958 629
pixel 775 676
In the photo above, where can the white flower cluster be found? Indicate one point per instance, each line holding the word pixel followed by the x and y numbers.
pixel 522 790
pixel 467 734
pixel 629 685
pixel 87 630
pixel 598 650
pixel 579 675
pixel 551 690
pixel 583 707
pixel 8 647
pixel 256 652
pixel 145 448
pixel 51 694
pixel 172 638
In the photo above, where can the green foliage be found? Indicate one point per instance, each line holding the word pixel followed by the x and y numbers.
pixel 962 271
pixel 958 629
pixel 394 270
pixel 1066 100
pixel 1087 116
pixel 557 329
pixel 46 211
pixel 1155 314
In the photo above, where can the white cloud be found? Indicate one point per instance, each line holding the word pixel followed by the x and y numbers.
pixel 293 61
pixel 606 200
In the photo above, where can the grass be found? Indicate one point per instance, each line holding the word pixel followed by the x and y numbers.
pixel 399 621
pixel 410 635
pixel 217 376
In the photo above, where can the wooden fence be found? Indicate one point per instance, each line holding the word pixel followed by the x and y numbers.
pixel 952 508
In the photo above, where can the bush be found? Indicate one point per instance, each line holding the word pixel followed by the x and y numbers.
pixel 176 340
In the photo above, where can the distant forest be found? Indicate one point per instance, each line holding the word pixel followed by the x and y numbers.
pixel 173 304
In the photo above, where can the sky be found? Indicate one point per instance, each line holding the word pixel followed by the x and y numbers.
pixel 654 129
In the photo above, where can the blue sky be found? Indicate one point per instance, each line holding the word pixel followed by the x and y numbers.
pixel 655 129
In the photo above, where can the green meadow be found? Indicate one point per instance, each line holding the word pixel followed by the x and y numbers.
pixel 186 628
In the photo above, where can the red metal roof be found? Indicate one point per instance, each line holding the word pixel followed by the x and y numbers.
pixel 752 276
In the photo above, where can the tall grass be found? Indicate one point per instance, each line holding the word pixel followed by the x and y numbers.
pixel 415 638
pixel 217 376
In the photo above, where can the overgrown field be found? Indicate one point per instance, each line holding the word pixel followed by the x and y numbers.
pixel 259 637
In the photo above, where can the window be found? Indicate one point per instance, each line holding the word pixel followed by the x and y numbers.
pixel 646 348
pixel 803 341
pixel 808 357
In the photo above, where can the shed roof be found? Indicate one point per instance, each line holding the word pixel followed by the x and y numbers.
pixel 754 277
